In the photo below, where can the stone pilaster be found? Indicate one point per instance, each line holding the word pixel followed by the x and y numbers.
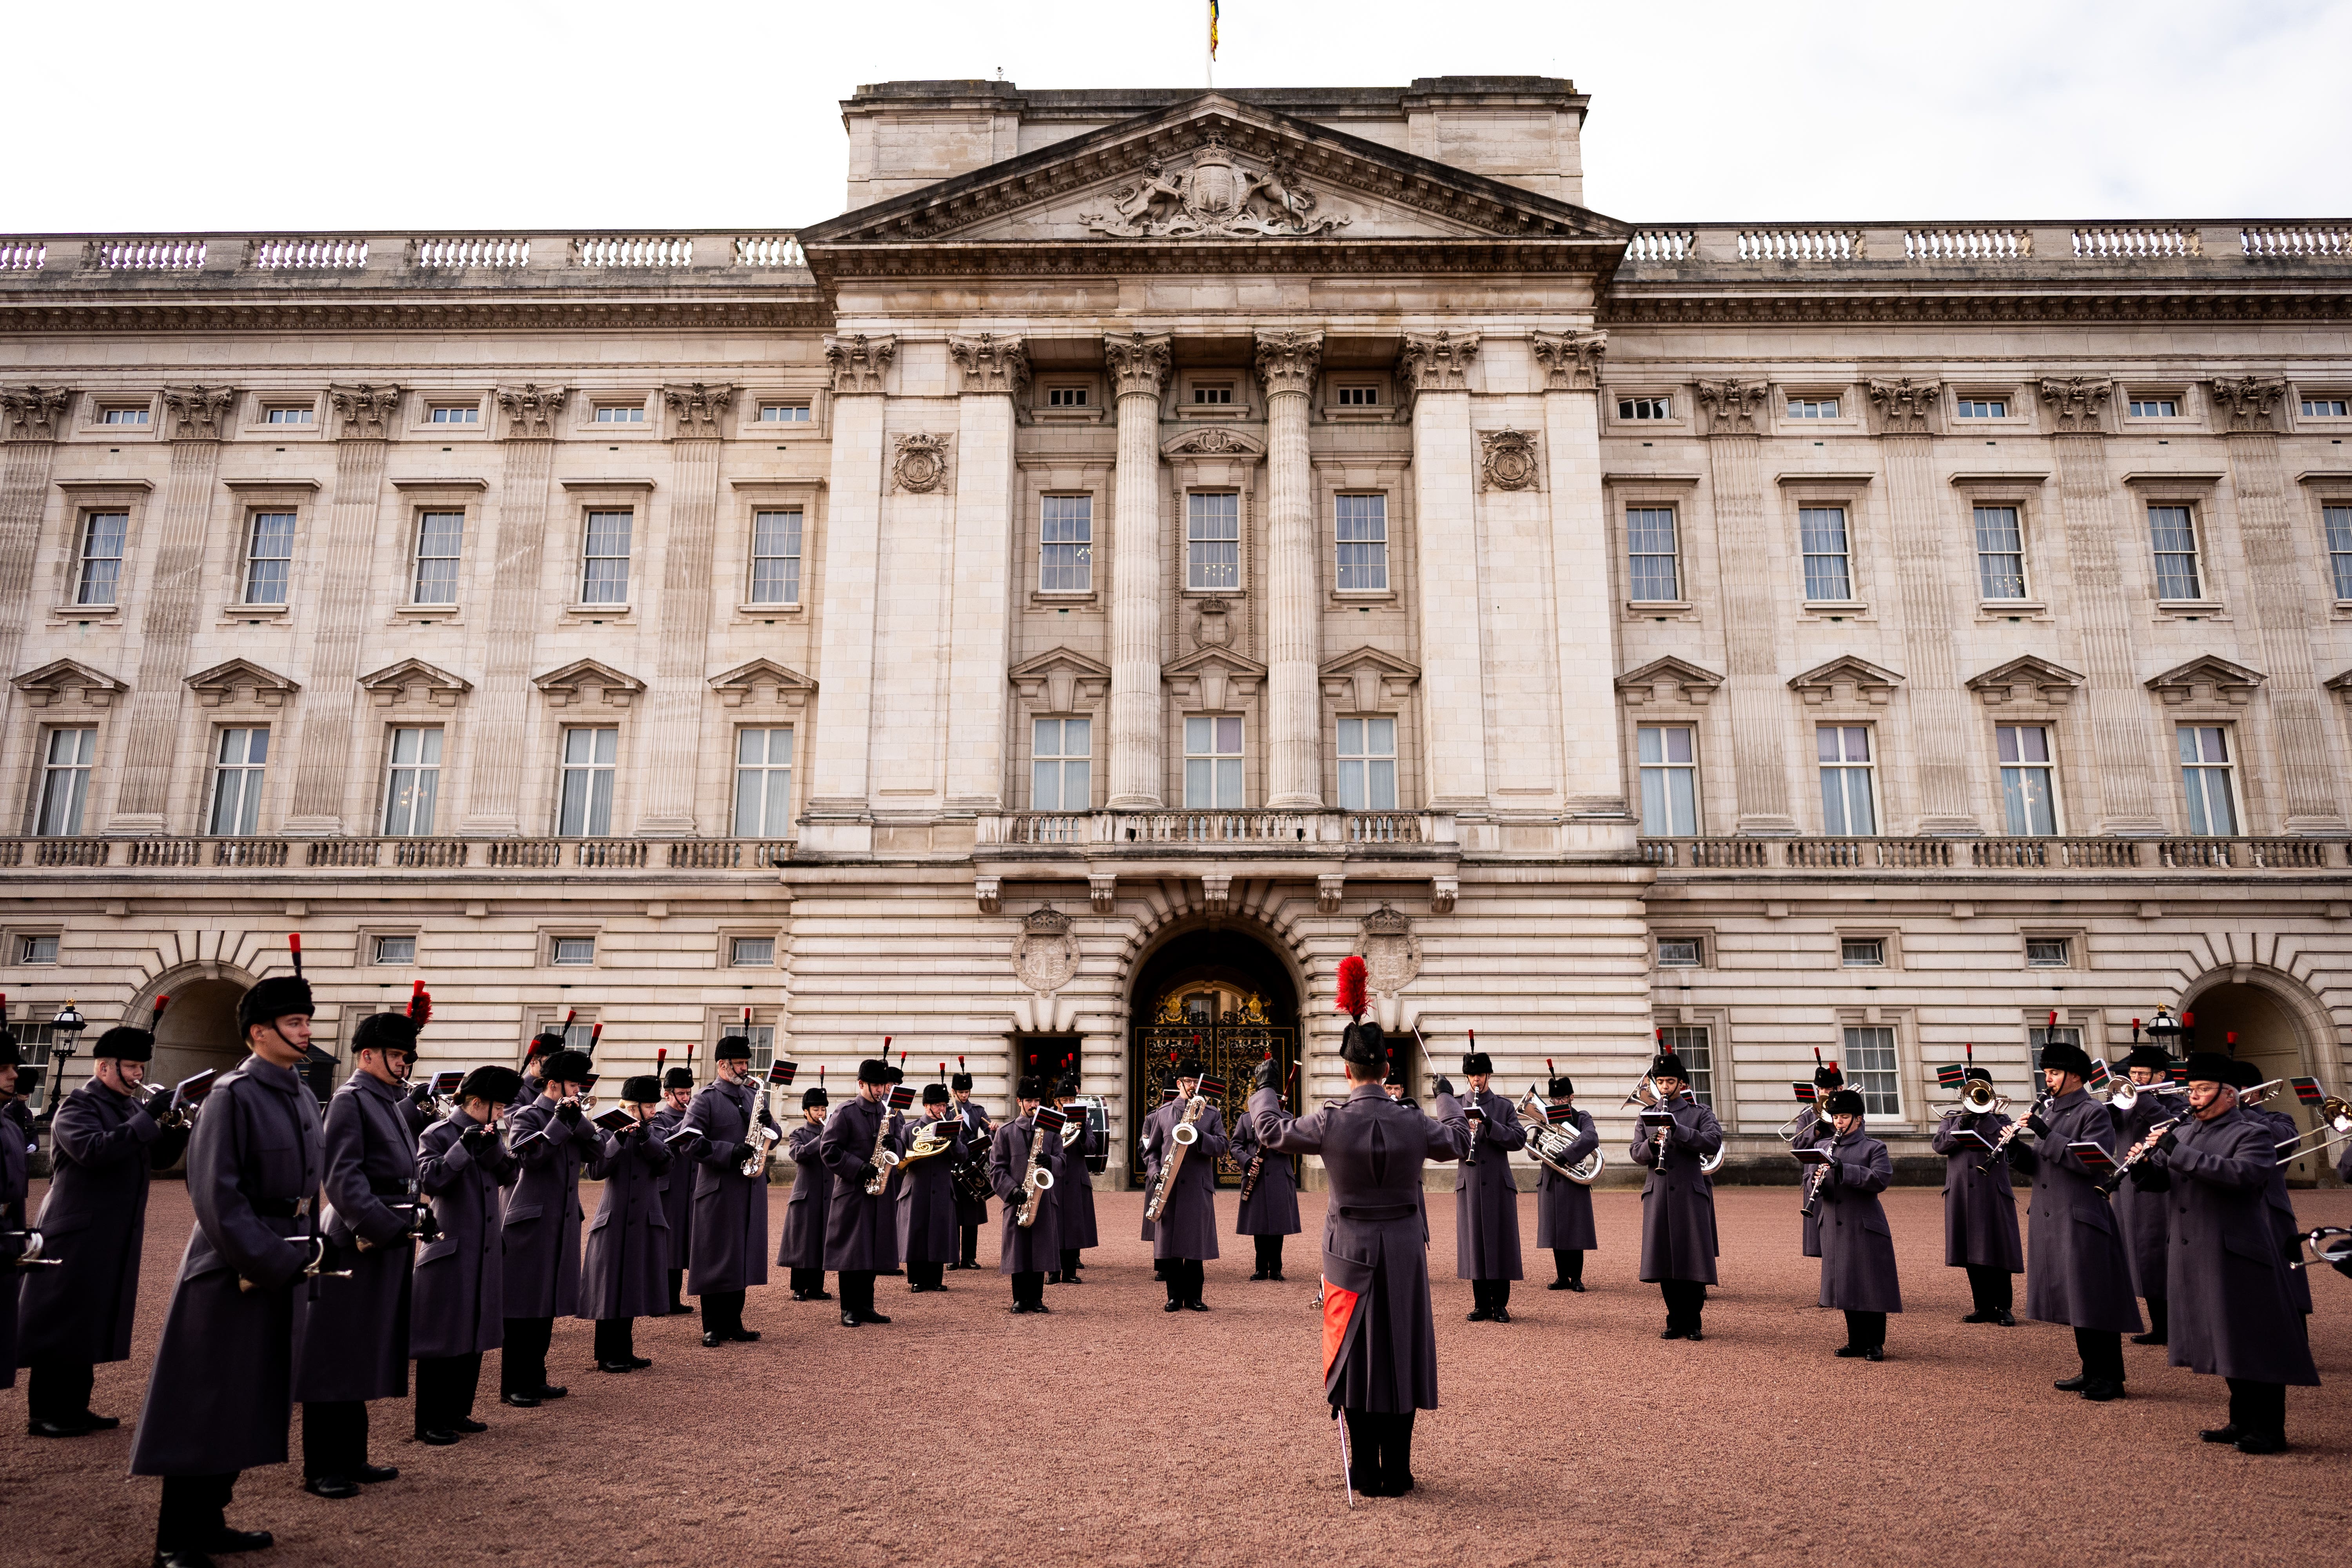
pixel 1138 365
pixel 1925 582
pixel 1286 362
pixel 994 371
pixel 1435 369
pixel 502 707
pixel 30 419
pixel 1584 620
pixel 698 413
pixel 838 814
pixel 1751 569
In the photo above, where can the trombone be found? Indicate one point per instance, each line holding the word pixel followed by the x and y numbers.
pixel 2335 1127
pixel 1978 1098
pixel 1809 1115
pixel 2331 1255
pixel 2126 1094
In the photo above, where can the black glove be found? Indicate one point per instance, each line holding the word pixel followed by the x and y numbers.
pixel 738 1155
pixel 476 1138
pixel 867 1173
pixel 1267 1071
pixel 569 1113
pixel 2035 1125
pixel 1444 1086
pixel 2165 1144
pixel 422 1097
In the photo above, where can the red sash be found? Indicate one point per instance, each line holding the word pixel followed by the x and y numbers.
pixel 1338 1310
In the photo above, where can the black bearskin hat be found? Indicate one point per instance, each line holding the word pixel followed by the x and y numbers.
pixel 279 997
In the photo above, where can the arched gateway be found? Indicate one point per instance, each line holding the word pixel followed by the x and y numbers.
pixel 1219 993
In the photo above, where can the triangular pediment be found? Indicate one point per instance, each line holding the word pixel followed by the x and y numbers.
pixel 53 680
pixel 1223 660
pixel 2024 678
pixel 1694 683
pixel 2205 678
pixel 397 683
pixel 242 680
pixel 572 683
pixel 762 677
pixel 1846 678
pixel 1213 169
pixel 1061 680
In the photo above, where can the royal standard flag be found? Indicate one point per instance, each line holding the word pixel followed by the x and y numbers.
pixel 1213 29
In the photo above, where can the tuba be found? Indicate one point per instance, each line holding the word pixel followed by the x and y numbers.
pixel 1550 1145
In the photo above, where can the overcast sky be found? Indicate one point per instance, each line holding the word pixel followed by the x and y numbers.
pixel 514 115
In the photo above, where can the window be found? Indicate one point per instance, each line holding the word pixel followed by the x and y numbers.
pixel 784 414
pixel 2000 553
pixel 586 808
pixel 1362 531
pixel 286 417
pixel 2313 408
pixel 604 564
pixel 454 414
pixel 620 414
pixel 1212 762
pixel 2338 520
pixel 776 558
pixel 1690 1043
pixel 33 1046
pixel 139 417
pixel 1870 1067
pixel 2027 798
pixel 1863 951
pixel 1669 781
pixel 1828 572
pixel 1368 764
pixel 237 782
pixel 1066 560
pixel 2049 953
pixel 1061 764
pixel 2156 408
pixel 1066 397
pixel 101 557
pixel 763 1045
pixel 395 950
pixel 1682 952
pixel 1213 539
pixel 36 950
pixel 1984 408
pixel 269 557
pixel 1214 394
pixel 2039 1035
pixel 570 950
pixel 2205 769
pixel 413 783
pixel 1813 408
pixel 764 783
pixel 752 952
pixel 1649 553
pixel 1358 396
pixel 1846 798
pixel 64 782
pixel 440 535
pixel 1645 408
pixel 2173 533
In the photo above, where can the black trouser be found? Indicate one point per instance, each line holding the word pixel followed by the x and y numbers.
pixel 334 1438
pixel 969 1236
pixel 1991 1288
pixel 808 1281
pixel 1570 1263
pixel 1029 1288
pixel 523 1365
pixel 856 1286
pixel 1686 1299
pixel 926 1273
pixel 1269 1255
pixel 676 1284
pixel 1488 1294
pixel 1866 1331
pixel 2258 1409
pixel 2159 1316
pixel 616 1339
pixel 2102 1350
pixel 57 1390
pixel 190 1517
pixel 722 1311
pixel 446 1386
pixel 1380 1449
pixel 1186 1277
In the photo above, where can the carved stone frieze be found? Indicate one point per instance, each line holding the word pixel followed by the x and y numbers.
pixel 1906 406
pixel 1211 196
pixel 991 364
pixel 1437 362
pixel 32 413
pixel 1571 361
pixel 1733 407
pixel 921 464
pixel 531 411
pixel 1045 954
pixel 1287 361
pixel 197 412
pixel 2077 403
pixel 1214 442
pixel 1139 363
pixel 2248 403
pixel 1507 460
pixel 368 412
pixel 699 411
pixel 859 363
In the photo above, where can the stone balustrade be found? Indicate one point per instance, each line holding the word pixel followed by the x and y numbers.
pixel 1875 856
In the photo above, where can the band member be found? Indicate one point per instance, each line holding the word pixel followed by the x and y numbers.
pixel 550 1138
pixel 1074 1193
pixel 543 1045
pixel 1269 1209
pixel 1827 1081
pixel 971 1213
pixel 2141 1214
pixel 1564 1208
pixel 2231 1312
pixel 731 1209
pixel 1858 1275
pixel 459 1309
pixel 624 1275
pixel 219 1397
pixel 1379 1340
pixel 2077 1272
pixel 861 1232
pixel 1980 1209
pixel 17 1147
pixel 2284 1228
pixel 1679 1247
pixel 1185 1235
pixel 1486 1197
pixel 351 1337
pixel 104 1142
pixel 926 1217
pixel 1393 1084
pixel 802 1251
pixel 678 1184
pixel 1026 1248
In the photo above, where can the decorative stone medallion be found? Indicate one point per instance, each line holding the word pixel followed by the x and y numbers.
pixel 1045 955
pixel 1509 462
pixel 1392 953
pixel 922 465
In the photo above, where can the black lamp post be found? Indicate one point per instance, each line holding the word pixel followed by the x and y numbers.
pixel 2172 1034
pixel 65 1033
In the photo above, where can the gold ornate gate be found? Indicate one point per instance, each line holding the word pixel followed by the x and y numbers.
pixel 1228 1045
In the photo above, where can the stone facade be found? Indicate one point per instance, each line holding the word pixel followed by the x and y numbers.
pixel 727 584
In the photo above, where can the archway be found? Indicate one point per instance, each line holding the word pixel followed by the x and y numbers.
pixel 198 1029
pixel 2280 1027
pixel 1217 993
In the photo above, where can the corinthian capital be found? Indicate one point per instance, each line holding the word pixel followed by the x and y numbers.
pixel 1437 362
pixel 1733 407
pixel 1139 363
pixel 197 412
pixel 532 411
pixel 31 413
pixel 2077 403
pixel 1903 405
pixel 1571 361
pixel 367 412
pixel 699 411
pixel 1287 361
pixel 859 363
pixel 2248 403
pixel 991 364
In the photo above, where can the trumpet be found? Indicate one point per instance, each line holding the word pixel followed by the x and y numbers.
pixel 2335 1117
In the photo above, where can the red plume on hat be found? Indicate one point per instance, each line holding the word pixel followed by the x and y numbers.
pixel 1352 980
pixel 420 1005
pixel 154 1017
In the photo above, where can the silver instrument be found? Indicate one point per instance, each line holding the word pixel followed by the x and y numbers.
pixel 883 1159
pixel 763 1138
pixel 31 1256
pixel 2335 1117
pixel 1980 1098
pixel 1646 1095
pixel 1809 1115
pixel 2329 1255
pixel 2126 1094
pixel 1548 1143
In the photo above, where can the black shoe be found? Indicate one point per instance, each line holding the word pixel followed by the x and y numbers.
pixel 1018 1308
pixel 923 1289
pixel 848 1320
pixel 185 1557
pixel 1276 1276
pixel 1575 1285
pixel 551 1391
pixel 1559 1285
pixel 1196 1305
pixel 1053 1277
pixel 803 1296
pixel 1674 1333
pixel 1072 1279
pixel 370 1475
pixel 467 1424
pixel 752 1336
pixel 1976 1316
pixel 2074 1384
pixel 1501 1315
pixel 1367 1481
pixel 820 1295
pixel 1396 1484
pixel 1255 1277
pixel 2262 1443
pixel 1843 1350
pixel 616 1366
pixel 712 1340
pixel 1477 1315
pixel 90 1423
pixel 2002 1320
pixel 640 1360
pixel 862 1317
pixel 1039 1307
pixel 1174 1307
pixel 2150 1339
pixel 437 1437
pixel 1695 1336
pixel 2099 1390
pixel 332 1486
pixel 519 1401
pixel 1875 1352
pixel 56 1429
pixel 2229 1434
pixel 229 1541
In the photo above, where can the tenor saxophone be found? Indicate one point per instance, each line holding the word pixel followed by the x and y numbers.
pixel 883 1159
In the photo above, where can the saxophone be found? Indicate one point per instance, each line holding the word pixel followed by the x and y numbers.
pixel 1185 1135
pixel 883 1159
pixel 762 1137
pixel 1035 1180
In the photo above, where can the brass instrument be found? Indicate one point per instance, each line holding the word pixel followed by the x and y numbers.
pixel 883 1159
pixel 762 1138
pixel 2260 1092
pixel 31 1256
pixel 316 1269
pixel 1549 1144
pixel 931 1139
pixel 2330 1256
pixel 970 1178
pixel 2334 1117
pixel 2127 1094
pixel 1185 1135
pixel 1809 1115
pixel 1035 1180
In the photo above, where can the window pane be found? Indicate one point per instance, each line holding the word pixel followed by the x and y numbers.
pixel 2338 520
pixel 2174 535
pixel 753 951
pixel 1362 540
pixel 1213 536
pixel 1692 1046
pixel 1650 546
pixel 1823 533
pixel 1229 737
pixel 1351 786
pixel 1229 783
pixel 101 557
pixel 1066 562
pixel 604 578
pixel 1199 789
pixel 776 558
pixel 1382 792
pixel 2000 553
pixel 1871 1067
pixel 269 557
pixel 1045 786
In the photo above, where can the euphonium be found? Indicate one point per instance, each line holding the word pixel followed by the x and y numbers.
pixel 1809 1115
pixel 1035 1180
pixel 1185 1135
pixel 1550 1145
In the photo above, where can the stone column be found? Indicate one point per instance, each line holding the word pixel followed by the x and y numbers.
pixel 838 814
pixel 1583 617
pixel 2279 596
pixel 1753 680
pixel 698 424
pixel 994 371
pixel 1138 364
pixel 518 608
pixel 1925 582
pixel 175 602
pixel 1286 362
pixel 1435 367
pixel 2122 738
pixel 30 419
pixel 330 742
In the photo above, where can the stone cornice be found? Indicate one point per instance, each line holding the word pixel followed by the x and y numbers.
pixel 1119 257
pixel 409 315
pixel 2025 304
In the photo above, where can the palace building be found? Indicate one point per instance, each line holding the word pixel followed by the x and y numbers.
pixel 1154 544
